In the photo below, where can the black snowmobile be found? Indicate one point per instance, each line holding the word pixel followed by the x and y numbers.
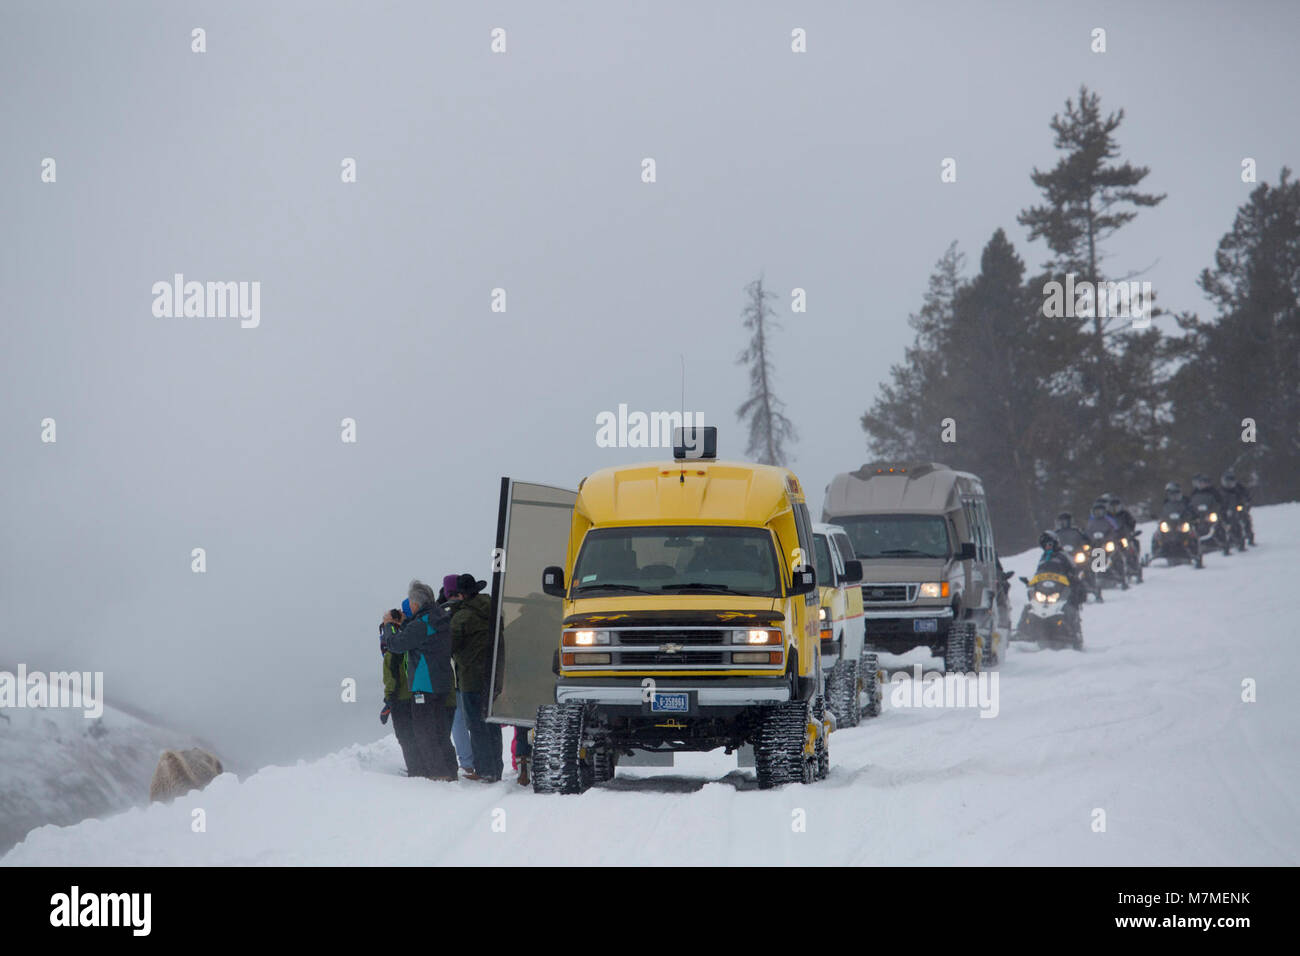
pixel 1175 539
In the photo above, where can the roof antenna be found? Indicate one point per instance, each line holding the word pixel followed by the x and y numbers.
pixel 681 478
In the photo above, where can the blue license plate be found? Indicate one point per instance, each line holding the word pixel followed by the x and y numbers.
pixel 925 624
pixel 670 703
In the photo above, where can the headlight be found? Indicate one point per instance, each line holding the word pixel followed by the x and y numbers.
pixel 584 638
pixel 1110 545
pixel 1214 516
pixel 757 636
pixel 755 657
pixel 1123 542
pixel 1238 507
pixel 1080 557
pixel 821 614
pixel 580 659
pixel 1040 597
pixel 934 589
pixel 1164 526
pixel 1186 526
pixel 1052 598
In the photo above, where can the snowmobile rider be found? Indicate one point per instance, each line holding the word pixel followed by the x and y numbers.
pixel 1128 528
pixel 1203 490
pixel 1175 500
pixel 424 641
pixel 1056 561
pixel 1099 520
pixel 1072 539
pixel 1235 493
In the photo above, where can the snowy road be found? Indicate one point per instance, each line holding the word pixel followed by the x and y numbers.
pixel 1147 724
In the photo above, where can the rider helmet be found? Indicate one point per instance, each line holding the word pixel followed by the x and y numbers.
pixel 1229 479
pixel 1048 541
pixel 1173 490
pixel 1064 520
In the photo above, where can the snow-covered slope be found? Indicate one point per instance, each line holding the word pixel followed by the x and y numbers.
pixel 57 766
pixel 1146 724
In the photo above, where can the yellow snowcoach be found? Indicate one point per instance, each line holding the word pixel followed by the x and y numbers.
pixel 687 619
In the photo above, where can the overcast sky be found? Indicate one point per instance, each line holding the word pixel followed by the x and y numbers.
pixel 475 171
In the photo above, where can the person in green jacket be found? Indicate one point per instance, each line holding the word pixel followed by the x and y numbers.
pixel 397 699
pixel 471 651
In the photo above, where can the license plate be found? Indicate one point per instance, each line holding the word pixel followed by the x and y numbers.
pixel 925 624
pixel 670 703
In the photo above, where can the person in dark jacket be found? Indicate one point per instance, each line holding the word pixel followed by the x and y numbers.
pixel 397 700
pixel 1055 561
pixel 425 642
pixel 1234 494
pixel 471 649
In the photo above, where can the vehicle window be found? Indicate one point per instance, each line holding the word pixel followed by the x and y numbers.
pixel 681 559
pixel 822 561
pixel 897 536
pixel 844 547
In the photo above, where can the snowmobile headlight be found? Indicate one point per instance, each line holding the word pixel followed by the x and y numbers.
pixel 1238 507
pixel 584 638
pixel 757 636
pixel 1110 545
pixel 1080 557
pixel 1123 542
pixel 1053 598
pixel 1040 597
pixel 1214 516
pixel 934 589
pixel 1164 527
pixel 1187 526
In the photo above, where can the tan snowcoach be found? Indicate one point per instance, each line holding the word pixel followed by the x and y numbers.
pixel 929 567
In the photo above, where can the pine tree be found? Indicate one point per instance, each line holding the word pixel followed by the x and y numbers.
pixel 769 428
pixel 1118 415
pixel 1245 363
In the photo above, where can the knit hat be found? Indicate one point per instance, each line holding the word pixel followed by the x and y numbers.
pixel 449 585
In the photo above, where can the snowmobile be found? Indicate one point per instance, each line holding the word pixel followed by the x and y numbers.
pixel 1114 570
pixel 1132 559
pixel 1211 533
pixel 1050 618
pixel 1075 546
pixel 1175 541
pixel 1235 523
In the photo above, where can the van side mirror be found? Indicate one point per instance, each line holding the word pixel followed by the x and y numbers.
pixel 967 552
pixel 803 580
pixel 853 571
pixel 553 581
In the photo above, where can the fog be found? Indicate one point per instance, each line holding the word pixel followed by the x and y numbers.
pixel 476 171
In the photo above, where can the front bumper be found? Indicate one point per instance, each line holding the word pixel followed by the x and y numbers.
pixel 735 692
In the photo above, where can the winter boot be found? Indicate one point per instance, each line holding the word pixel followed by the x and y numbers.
pixel 523 771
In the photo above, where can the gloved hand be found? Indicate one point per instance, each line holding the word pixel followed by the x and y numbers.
pixel 385 713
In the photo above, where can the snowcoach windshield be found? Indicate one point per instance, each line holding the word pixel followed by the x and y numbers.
pixel 678 560
pixel 897 536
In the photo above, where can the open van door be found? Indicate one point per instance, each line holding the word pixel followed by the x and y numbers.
pixel 532 532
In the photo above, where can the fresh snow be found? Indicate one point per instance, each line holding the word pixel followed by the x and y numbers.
pixel 1146 724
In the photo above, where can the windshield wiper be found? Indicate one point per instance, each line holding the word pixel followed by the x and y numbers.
pixel 924 554
pixel 611 587
pixel 699 586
